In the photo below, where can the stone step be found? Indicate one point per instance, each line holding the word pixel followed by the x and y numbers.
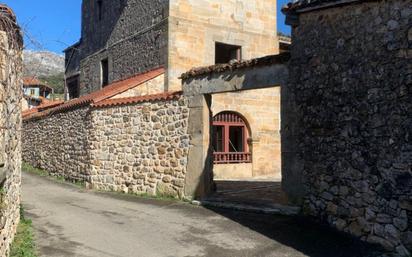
pixel 250 192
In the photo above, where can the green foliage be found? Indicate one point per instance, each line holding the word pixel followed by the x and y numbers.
pixel 55 81
pixel 23 244
pixel 30 169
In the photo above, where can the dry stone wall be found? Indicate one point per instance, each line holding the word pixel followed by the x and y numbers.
pixel 59 143
pixel 136 148
pixel 10 128
pixel 141 148
pixel 350 103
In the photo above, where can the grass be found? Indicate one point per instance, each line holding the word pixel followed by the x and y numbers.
pixel 23 244
pixel 42 173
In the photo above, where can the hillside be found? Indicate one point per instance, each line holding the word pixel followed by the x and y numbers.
pixel 47 66
pixel 42 63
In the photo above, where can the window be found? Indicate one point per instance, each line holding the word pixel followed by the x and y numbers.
pixel 225 53
pixel 105 72
pixel 32 92
pixel 230 139
pixel 100 9
pixel 73 88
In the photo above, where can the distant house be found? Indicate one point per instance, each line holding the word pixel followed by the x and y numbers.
pixel 35 92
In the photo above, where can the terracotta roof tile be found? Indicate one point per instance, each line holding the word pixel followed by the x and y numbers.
pixel 44 105
pixel 111 90
pixel 105 93
pixel 29 112
pixel 218 68
pixel 138 99
pixel 33 81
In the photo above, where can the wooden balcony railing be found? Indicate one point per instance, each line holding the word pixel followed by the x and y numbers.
pixel 231 158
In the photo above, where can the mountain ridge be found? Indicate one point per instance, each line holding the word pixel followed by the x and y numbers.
pixel 42 63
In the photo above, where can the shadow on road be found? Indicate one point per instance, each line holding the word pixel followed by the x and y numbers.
pixel 302 234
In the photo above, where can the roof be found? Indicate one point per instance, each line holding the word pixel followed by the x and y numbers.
pixel 105 93
pixel 75 45
pixel 138 99
pixel 308 5
pixel 44 105
pixel 237 65
pixel 33 81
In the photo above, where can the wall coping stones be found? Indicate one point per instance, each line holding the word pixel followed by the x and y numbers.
pixel 237 65
pixel 138 99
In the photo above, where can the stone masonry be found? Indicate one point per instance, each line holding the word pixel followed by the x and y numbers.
pixel 261 110
pixel 10 127
pixel 131 34
pixel 59 144
pixel 139 35
pixel 347 120
pixel 140 148
pixel 136 147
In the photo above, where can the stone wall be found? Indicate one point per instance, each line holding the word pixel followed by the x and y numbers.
pixel 195 27
pixel 10 127
pixel 261 109
pixel 131 34
pixel 141 148
pixel 59 143
pixel 134 148
pixel 349 105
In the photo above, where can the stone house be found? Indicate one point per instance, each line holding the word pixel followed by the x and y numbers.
pixel 123 38
pixel 346 117
pixel 11 47
pixel 35 93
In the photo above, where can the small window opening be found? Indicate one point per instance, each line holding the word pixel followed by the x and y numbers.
pixel 225 53
pixel 105 72
pixel 73 88
pixel 100 9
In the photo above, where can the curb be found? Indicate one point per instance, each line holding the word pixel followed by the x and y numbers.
pixel 274 210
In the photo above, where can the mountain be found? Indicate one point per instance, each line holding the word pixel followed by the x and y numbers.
pixel 42 63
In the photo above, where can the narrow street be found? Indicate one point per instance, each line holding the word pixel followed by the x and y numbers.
pixel 71 222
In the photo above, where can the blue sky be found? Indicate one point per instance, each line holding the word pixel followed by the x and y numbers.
pixel 55 24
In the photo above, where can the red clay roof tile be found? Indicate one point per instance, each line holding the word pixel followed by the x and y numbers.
pixel 103 94
pixel 33 81
pixel 112 90
pixel 138 99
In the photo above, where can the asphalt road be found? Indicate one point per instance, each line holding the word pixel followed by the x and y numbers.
pixel 69 221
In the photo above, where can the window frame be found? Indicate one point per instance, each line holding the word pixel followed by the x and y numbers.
pixel 228 120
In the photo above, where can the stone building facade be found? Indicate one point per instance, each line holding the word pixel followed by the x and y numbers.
pixel 347 120
pixel 131 36
pixel 121 38
pixel 261 110
pixel 10 126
